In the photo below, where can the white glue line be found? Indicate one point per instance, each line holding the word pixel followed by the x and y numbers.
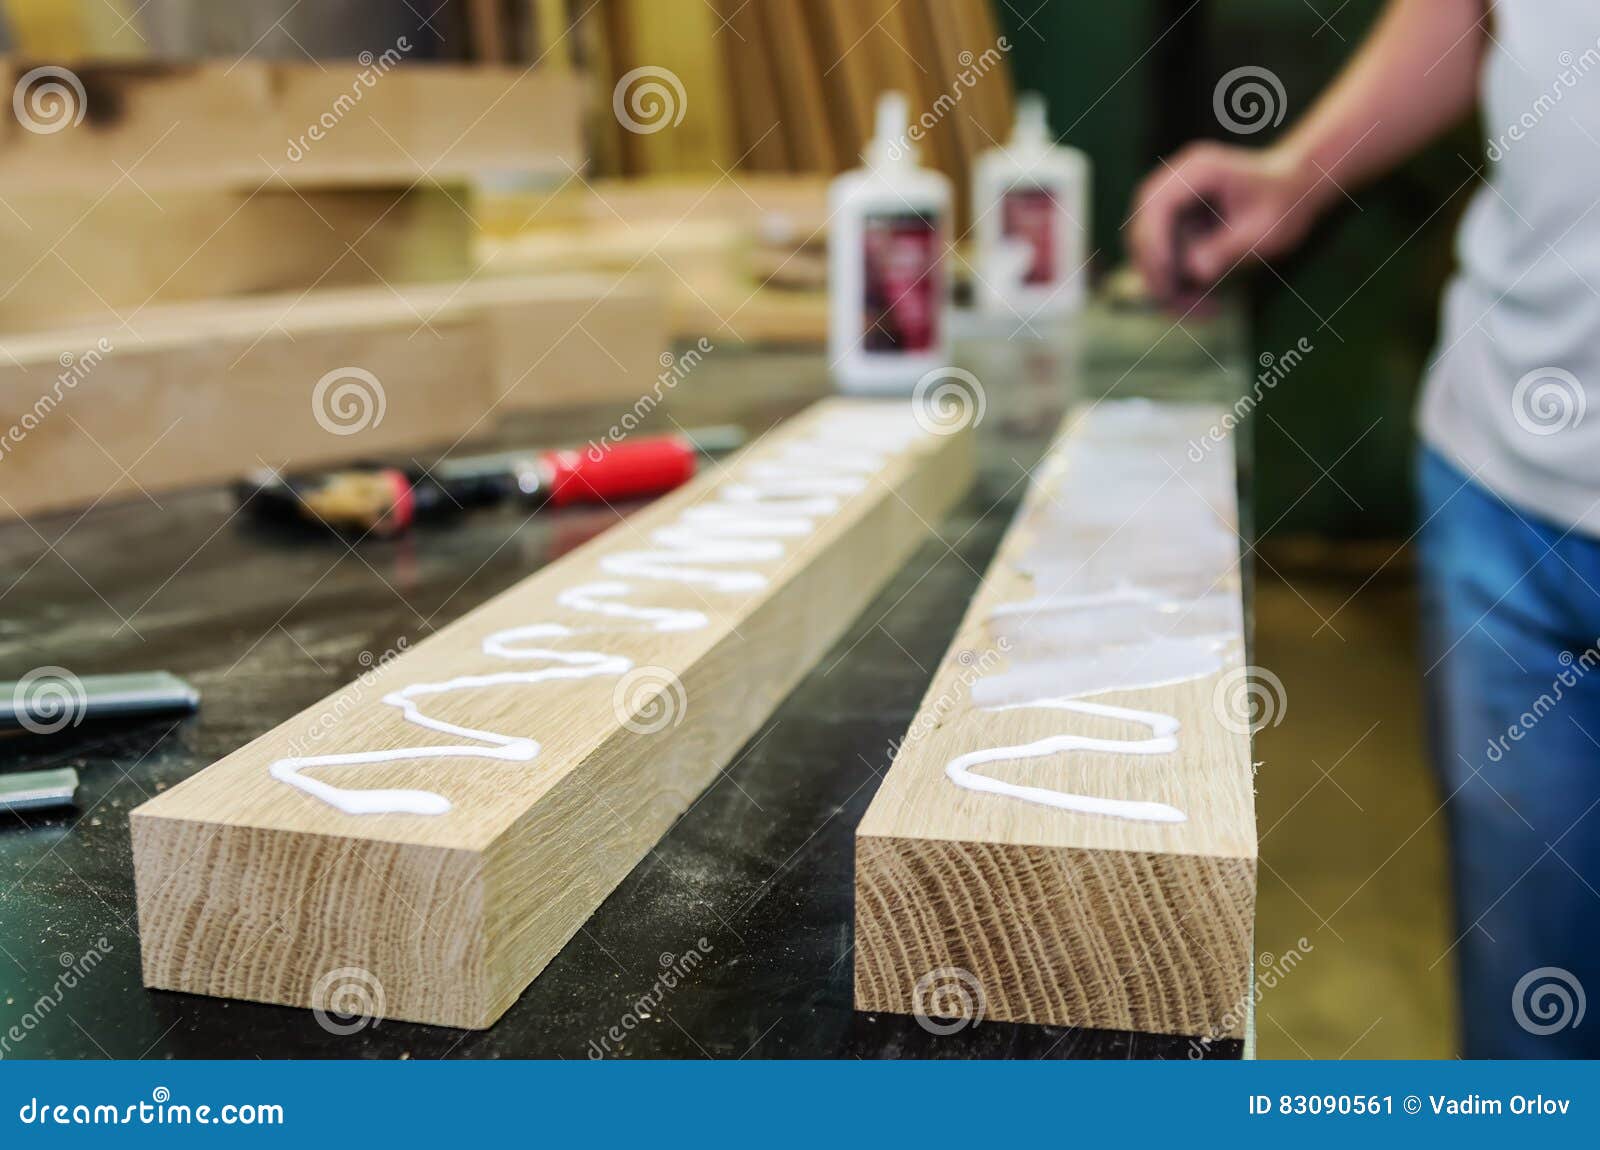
pixel 780 500
pixel 1091 635
pixel 1163 740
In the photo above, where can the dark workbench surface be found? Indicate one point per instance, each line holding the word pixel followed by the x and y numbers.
pixel 760 868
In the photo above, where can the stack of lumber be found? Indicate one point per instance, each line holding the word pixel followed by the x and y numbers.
pixel 150 210
pixel 202 392
pixel 736 255
pixel 490 31
pixel 790 85
pixel 381 120
pixel 77 256
pixel 138 185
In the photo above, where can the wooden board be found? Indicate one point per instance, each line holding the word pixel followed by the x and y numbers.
pixel 79 256
pixel 698 237
pixel 940 147
pixel 554 42
pixel 762 134
pixel 840 30
pixel 650 205
pixel 200 393
pixel 791 55
pixel 566 341
pixel 391 120
pixel 486 25
pixel 681 105
pixel 1051 915
pixel 250 887
pixel 722 309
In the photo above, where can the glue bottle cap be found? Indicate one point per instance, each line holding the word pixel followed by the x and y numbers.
pixel 1032 128
pixel 891 142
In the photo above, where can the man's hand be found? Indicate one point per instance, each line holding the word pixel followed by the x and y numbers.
pixel 1415 75
pixel 1248 203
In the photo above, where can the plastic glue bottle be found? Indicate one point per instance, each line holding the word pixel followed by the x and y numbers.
pixel 887 287
pixel 1030 199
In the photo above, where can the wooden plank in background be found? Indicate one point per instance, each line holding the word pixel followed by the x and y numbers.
pixel 889 44
pixel 763 134
pixel 676 38
pixel 838 28
pixel 963 142
pixel 554 39
pixel 791 54
pixel 702 231
pixel 1055 916
pixel 227 125
pixel 205 392
pixel 249 887
pixel 567 341
pixel 996 99
pixel 940 147
pixel 80 256
pixel 487 25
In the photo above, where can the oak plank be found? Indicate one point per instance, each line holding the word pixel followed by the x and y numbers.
pixel 790 52
pixel 78 255
pixel 250 887
pixel 762 143
pixel 685 86
pixel 203 392
pixel 1064 917
pixel 388 120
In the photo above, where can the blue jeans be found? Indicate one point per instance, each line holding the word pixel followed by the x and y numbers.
pixel 1511 666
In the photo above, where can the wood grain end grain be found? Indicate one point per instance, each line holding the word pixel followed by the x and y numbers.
pixel 1114 940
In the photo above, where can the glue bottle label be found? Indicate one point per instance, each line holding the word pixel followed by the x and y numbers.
pixel 1028 215
pixel 901 286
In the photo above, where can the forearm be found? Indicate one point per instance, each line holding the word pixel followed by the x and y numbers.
pixel 1415 76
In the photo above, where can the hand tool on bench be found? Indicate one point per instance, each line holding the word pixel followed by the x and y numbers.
pixel 386 500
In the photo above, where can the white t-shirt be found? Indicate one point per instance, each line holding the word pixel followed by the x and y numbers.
pixel 1508 396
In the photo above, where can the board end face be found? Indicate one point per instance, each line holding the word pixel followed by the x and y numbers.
pixel 1153 943
pixel 362 929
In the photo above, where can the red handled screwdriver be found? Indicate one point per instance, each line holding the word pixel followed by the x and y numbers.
pixel 385 500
